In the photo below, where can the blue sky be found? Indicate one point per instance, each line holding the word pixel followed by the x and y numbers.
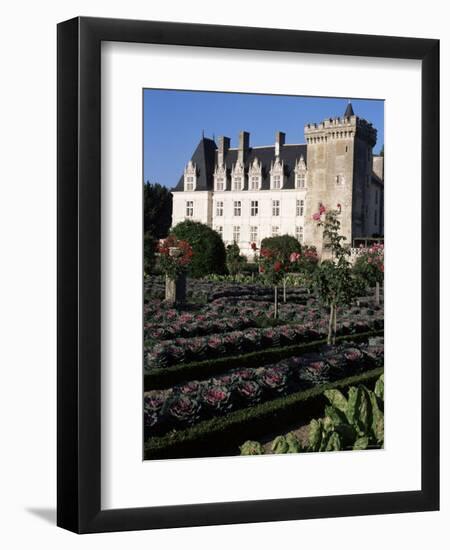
pixel 174 121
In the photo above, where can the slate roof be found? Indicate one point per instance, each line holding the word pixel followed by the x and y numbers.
pixel 205 157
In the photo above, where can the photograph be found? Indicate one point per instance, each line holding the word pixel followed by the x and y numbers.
pixel 263 241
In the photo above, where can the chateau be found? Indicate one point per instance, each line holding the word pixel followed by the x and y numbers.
pixel 249 193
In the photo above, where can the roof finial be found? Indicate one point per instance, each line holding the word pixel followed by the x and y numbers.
pixel 203 134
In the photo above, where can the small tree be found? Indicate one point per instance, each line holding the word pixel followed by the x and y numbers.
pixel 333 279
pixel 273 271
pixel 369 268
pixel 283 247
pixel 235 261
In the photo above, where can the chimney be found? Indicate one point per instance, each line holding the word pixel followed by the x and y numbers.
pixel 224 145
pixel 244 141
pixel 279 142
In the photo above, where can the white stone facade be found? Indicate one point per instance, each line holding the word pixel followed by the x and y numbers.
pixel 247 194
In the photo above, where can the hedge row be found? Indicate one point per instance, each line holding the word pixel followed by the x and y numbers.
pixel 222 436
pixel 158 379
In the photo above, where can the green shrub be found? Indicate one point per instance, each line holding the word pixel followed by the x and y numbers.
pixel 209 254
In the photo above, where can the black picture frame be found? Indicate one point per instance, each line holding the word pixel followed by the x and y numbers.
pixel 79 280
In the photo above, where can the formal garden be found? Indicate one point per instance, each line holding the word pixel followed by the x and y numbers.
pixel 278 353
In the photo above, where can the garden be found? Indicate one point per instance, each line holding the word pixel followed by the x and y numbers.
pixel 281 354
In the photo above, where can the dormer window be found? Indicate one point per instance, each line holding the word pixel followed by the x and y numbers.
pixel 189 183
pixel 300 173
pixel 276 181
pixel 237 183
pixel 300 181
pixel 220 183
pixel 220 178
pixel 237 177
pixel 255 175
pixel 277 175
pixel 190 177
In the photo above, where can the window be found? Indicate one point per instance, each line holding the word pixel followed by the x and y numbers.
pixel 189 183
pixel 189 209
pixel 220 183
pixel 219 229
pixel 275 208
pixel 237 181
pixel 254 208
pixel 300 207
pixel 300 181
pixel 254 182
pixel 276 182
pixel 236 233
pixel 275 231
pixel 339 180
pixel 237 208
pixel 253 233
pixel 299 233
pixel 219 208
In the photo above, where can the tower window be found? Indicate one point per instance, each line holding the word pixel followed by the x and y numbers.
pixel 339 180
pixel 189 209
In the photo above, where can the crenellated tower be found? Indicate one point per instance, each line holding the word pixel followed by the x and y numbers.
pixel 339 153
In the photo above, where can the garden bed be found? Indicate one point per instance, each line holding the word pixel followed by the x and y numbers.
pixel 221 436
pixel 160 378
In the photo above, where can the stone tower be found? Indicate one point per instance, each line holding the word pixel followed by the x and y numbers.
pixel 339 157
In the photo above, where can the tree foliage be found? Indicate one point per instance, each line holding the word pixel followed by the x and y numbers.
pixel 209 254
pixel 157 210
pixel 235 262
pixel 333 279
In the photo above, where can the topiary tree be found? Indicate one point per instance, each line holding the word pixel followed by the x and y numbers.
pixel 273 270
pixel 283 247
pixel 209 254
pixel 369 268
